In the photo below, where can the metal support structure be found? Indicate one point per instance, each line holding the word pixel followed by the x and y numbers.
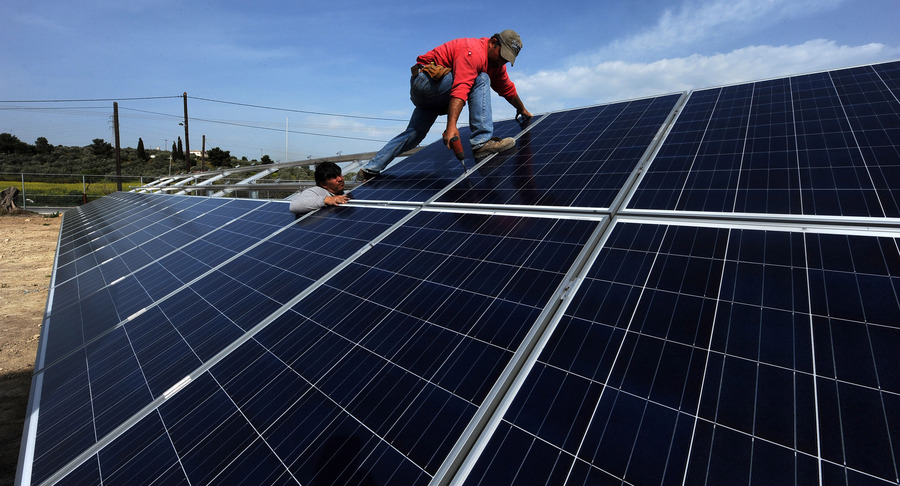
pixel 249 180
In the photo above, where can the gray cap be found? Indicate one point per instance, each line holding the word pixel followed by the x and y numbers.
pixel 510 45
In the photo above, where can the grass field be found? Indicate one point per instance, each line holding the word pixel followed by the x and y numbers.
pixel 64 193
pixel 98 188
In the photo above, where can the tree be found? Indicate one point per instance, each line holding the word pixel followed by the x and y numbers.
pixel 101 148
pixel 10 144
pixel 141 153
pixel 174 153
pixel 180 150
pixel 218 157
pixel 42 146
pixel 266 159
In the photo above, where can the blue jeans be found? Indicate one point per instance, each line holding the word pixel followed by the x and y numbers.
pixel 431 99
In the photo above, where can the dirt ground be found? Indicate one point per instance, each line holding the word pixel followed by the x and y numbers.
pixel 27 248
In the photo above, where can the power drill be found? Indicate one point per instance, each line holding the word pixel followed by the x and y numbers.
pixel 457 148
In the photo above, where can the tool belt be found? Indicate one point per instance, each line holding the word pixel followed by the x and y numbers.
pixel 433 71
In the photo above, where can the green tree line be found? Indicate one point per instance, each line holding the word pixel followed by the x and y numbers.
pixel 99 158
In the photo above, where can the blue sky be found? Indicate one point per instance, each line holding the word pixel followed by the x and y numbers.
pixel 312 60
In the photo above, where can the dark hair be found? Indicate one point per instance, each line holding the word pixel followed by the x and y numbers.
pixel 325 171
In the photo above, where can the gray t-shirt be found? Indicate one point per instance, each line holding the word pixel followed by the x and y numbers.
pixel 309 200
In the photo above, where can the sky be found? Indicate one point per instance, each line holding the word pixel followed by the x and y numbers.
pixel 306 79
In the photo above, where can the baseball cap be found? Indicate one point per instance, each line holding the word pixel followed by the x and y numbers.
pixel 510 45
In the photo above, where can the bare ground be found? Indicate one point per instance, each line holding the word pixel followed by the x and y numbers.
pixel 27 248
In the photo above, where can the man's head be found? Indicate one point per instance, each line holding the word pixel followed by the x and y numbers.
pixel 510 44
pixel 328 176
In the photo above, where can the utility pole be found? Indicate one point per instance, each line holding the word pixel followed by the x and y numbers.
pixel 118 158
pixel 187 143
pixel 202 153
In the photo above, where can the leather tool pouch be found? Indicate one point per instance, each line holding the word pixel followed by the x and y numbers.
pixel 433 71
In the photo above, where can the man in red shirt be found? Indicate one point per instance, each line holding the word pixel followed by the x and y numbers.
pixel 443 81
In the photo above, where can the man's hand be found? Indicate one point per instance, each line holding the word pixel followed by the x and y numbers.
pixel 453 111
pixel 447 136
pixel 516 102
pixel 335 200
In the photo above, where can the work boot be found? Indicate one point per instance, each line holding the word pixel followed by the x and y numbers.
pixel 493 146
pixel 364 175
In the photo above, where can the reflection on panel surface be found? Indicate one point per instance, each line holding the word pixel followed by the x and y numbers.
pixel 577 158
pixel 424 174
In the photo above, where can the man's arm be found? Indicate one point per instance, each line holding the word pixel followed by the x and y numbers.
pixel 516 102
pixel 456 106
pixel 335 200
pixel 314 198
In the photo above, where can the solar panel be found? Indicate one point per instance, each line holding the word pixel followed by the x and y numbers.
pixel 818 144
pixel 695 287
pixel 499 271
pixel 426 174
pixel 184 323
pixel 760 372
pixel 578 158
pixel 123 271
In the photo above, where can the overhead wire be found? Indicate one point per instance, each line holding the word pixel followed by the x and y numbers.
pixel 92 99
pixel 362 117
pixel 72 111
pixel 247 125
pixel 235 103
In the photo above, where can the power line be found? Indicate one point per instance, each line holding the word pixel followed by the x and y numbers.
pixel 245 125
pixel 288 131
pixel 235 103
pixel 167 115
pixel 92 99
pixel 48 108
pixel 298 111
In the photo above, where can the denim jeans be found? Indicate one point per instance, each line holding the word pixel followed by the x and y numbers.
pixel 431 99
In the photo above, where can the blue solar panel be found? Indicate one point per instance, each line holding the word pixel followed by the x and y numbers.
pixel 134 359
pixel 100 294
pixel 762 371
pixel 578 158
pixel 426 173
pixel 819 144
pixel 433 334
pixel 656 291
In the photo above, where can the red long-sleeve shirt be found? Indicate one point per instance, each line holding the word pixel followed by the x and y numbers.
pixel 467 58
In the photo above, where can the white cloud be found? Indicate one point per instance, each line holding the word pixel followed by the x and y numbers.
pixel 696 22
pixel 620 80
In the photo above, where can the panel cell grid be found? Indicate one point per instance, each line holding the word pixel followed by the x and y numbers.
pixel 819 144
pixel 120 364
pixel 578 158
pixel 721 355
pixel 423 175
pixel 357 372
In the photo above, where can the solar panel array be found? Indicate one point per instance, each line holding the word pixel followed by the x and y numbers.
pixel 700 287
